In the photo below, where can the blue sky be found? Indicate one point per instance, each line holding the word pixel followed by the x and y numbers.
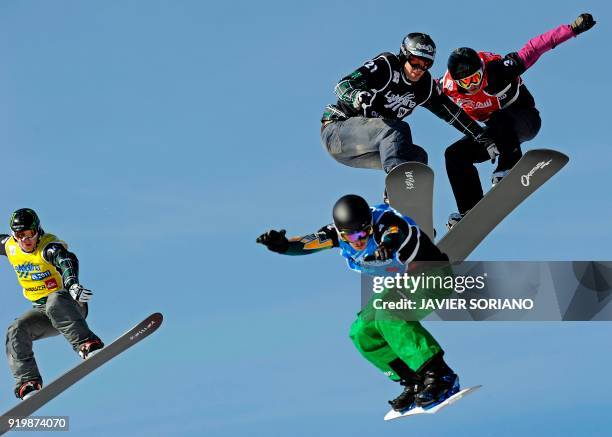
pixel 159 138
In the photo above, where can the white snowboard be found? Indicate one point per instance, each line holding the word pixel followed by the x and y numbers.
pixel 432 410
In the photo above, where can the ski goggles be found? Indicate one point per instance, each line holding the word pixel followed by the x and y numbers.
pixel 27 234
pixel 422 64
pixel 472 81
pixel 354 236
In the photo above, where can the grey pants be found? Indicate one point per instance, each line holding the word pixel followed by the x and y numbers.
pixel 371 143
pixel 60 314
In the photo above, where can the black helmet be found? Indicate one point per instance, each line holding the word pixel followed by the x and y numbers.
pixel 24 219
pixel 463 62
pixel 418 44
pixel 352 213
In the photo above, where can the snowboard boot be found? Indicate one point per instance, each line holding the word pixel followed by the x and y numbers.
pixel 412 384
pixel 453 219
pixel 406 398
pixel 439 383
pixel 507 160
pixel 497 176
pixel 28 389
pixel 90 348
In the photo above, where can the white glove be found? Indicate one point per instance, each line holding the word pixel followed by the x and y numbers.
pixel 79 293
pixel 493 152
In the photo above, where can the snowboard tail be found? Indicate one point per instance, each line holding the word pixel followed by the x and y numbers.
pixel 410 191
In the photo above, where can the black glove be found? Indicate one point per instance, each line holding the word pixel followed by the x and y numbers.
pixel 382 253
pixel 363 98
pixel 274 240
pixel 583 23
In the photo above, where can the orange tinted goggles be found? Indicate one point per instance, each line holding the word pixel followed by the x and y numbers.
pixel 471 81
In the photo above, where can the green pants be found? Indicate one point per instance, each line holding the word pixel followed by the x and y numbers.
pixel 382 340
pixel 383 336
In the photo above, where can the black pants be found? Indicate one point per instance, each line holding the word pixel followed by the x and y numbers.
pixel 508 128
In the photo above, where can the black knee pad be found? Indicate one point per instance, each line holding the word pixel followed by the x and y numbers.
pixel 420 153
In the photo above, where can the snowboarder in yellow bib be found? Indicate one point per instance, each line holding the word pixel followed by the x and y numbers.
pixel 48 274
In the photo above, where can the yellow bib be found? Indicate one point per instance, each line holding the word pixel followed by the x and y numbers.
pixel 38 277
